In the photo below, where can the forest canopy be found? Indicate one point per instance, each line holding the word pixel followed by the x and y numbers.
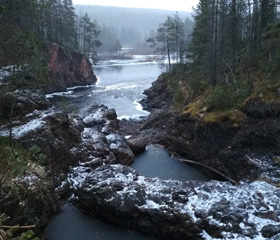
pixel 26 24
pixel 228 32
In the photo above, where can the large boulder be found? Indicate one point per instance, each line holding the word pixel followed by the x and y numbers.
pixel 118 194
pixel 170 209
pixel 55 133
pixel 68 69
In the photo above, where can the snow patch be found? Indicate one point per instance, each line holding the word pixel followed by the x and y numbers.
pixel 28 127
pixel 257 197
pixel 114 141
pixel 24 129
pixel 90 135
pixel 151 205
pixel 94 117
pixel 77 176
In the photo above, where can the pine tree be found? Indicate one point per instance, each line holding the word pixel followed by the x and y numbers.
pixel 169 38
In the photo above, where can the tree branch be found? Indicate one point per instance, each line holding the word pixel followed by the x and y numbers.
pixel 236 183
pixel 18 227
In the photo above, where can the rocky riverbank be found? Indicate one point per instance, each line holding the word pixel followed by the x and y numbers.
pixel 247 153
pixel 88 158
pixel 29 199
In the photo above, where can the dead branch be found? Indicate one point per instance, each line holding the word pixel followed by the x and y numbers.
pixel 236 183
pixel 18 227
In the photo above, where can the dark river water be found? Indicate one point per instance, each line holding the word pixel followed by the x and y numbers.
pixel 120 86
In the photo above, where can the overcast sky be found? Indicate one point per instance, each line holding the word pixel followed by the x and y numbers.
pixel 176 5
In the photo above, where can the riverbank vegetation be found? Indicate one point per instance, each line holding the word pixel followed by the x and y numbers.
pixel 16 162
pixel 233 57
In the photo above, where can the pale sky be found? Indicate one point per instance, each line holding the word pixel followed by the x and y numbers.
pixel 176 5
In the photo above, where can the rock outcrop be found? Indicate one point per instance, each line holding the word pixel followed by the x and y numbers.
pixel 246 151
pixel 68 69
pixel 91 139
pixel 180 210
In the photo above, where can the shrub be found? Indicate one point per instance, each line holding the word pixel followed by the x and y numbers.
pixel 228 96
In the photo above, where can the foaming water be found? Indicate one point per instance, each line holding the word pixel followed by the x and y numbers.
pixel 120 84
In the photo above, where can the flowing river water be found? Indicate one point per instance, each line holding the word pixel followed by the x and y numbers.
pixel 120 86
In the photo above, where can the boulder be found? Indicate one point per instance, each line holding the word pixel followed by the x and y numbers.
pixel 137 144
pixel 170 209
pixel 270 230
pixel 158 96
pixel 120 148
pixel 118 194
pixel 56 134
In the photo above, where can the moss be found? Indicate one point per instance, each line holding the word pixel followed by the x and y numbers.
pixel 195 108
pixel 235 117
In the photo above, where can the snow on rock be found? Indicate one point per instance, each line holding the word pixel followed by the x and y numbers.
pixel 77 175
pixel 94 118
pixel 114 140
pixel 93 150
pixel 182 210
pixel 269 168
pixel 120 148
pixel 25 128
pixel 20 131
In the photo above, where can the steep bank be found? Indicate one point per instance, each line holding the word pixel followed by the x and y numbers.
pixel 243 144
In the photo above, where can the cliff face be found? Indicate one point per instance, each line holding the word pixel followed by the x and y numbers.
pixel 245 151
pixel 68 69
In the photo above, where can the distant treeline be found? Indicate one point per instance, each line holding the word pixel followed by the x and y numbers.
pixel 25 24
pixel 128 26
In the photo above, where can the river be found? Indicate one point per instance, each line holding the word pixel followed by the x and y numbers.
pixel 120 86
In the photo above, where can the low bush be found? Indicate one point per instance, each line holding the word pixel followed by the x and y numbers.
pixel 229 96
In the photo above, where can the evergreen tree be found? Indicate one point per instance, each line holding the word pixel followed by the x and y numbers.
pixel 223 29
pixel 200 46
pixel 169 38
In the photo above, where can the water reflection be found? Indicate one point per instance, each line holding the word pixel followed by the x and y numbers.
pixel 155 162
pixel 71 224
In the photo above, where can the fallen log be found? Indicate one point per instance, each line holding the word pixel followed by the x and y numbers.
pixel 234 182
